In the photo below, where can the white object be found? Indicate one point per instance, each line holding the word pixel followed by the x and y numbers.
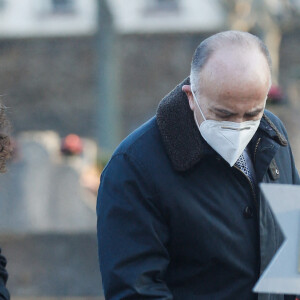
pixel 282 276
pixel 48 18
pixel 137 17
pixel 229 139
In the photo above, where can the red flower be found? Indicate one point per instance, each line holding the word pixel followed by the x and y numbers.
pixel 275 94
pixel 72 145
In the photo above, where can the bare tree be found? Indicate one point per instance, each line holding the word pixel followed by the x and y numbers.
pixel 269 19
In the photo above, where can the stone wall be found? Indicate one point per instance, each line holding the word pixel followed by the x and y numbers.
pixel 151 66
pixel 53 83
pixel 50 84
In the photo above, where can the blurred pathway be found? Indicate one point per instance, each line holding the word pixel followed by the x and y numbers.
pixel 52 265
pixel 47 231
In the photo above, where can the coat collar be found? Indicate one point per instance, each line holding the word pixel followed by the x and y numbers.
pixel 181 137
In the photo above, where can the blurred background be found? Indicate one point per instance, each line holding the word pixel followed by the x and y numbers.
pixel 77 76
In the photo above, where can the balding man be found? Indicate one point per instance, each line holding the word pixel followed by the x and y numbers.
pixel 180 215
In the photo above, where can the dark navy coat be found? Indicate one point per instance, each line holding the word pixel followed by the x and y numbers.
pixel 175 221
pixel 4 294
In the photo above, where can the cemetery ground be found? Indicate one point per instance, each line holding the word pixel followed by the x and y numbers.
pixel 48 222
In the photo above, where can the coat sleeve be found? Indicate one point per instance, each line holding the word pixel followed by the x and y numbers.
pixel 295 174
pixel 132 234
pixel 4 294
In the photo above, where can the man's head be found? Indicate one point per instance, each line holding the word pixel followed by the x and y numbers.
pixel 230 77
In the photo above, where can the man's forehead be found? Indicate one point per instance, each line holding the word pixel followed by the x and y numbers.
pixel 235 78
pixel 236 54
pixel 244 91
pixel 236 61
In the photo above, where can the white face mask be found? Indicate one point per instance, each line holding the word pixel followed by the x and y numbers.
pixel 229 139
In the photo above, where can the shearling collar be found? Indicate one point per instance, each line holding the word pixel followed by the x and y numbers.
pixel 181 137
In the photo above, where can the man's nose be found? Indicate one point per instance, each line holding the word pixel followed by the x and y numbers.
pixel 238 119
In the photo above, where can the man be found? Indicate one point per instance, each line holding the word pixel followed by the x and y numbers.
pixel 180 215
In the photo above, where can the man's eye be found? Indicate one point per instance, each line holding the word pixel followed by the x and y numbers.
pixel 255 115
pixel 251 116
pixel 223 116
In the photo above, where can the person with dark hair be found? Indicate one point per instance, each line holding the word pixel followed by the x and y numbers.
pixel 180 214
pixel 5 153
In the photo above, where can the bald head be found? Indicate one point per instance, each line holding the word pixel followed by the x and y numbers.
pixel 230 77
pixel 230 53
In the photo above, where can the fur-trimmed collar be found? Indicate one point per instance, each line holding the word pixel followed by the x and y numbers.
pixel 182 139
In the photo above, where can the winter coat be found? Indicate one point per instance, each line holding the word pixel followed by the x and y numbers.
pixel 175 221
pixel 4 294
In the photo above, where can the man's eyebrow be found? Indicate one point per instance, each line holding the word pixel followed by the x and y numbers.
pixel 223 111
pixel 254 112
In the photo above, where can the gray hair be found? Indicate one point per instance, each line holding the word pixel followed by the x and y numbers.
pixel 207 47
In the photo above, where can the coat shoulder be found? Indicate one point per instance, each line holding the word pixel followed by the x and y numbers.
pixel 139 139
pixel 141 153
pixel 276 121
pixel 143 145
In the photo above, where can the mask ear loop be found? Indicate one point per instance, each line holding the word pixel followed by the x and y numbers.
pixel 198 107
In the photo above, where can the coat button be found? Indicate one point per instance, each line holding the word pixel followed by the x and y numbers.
pixel 248 212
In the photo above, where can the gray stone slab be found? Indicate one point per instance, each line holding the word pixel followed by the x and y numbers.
pixel 38 194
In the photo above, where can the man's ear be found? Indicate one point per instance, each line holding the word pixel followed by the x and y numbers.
pixel 189 94
pixel 186 88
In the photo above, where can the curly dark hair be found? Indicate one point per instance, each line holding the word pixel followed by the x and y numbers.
pixel 5 141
